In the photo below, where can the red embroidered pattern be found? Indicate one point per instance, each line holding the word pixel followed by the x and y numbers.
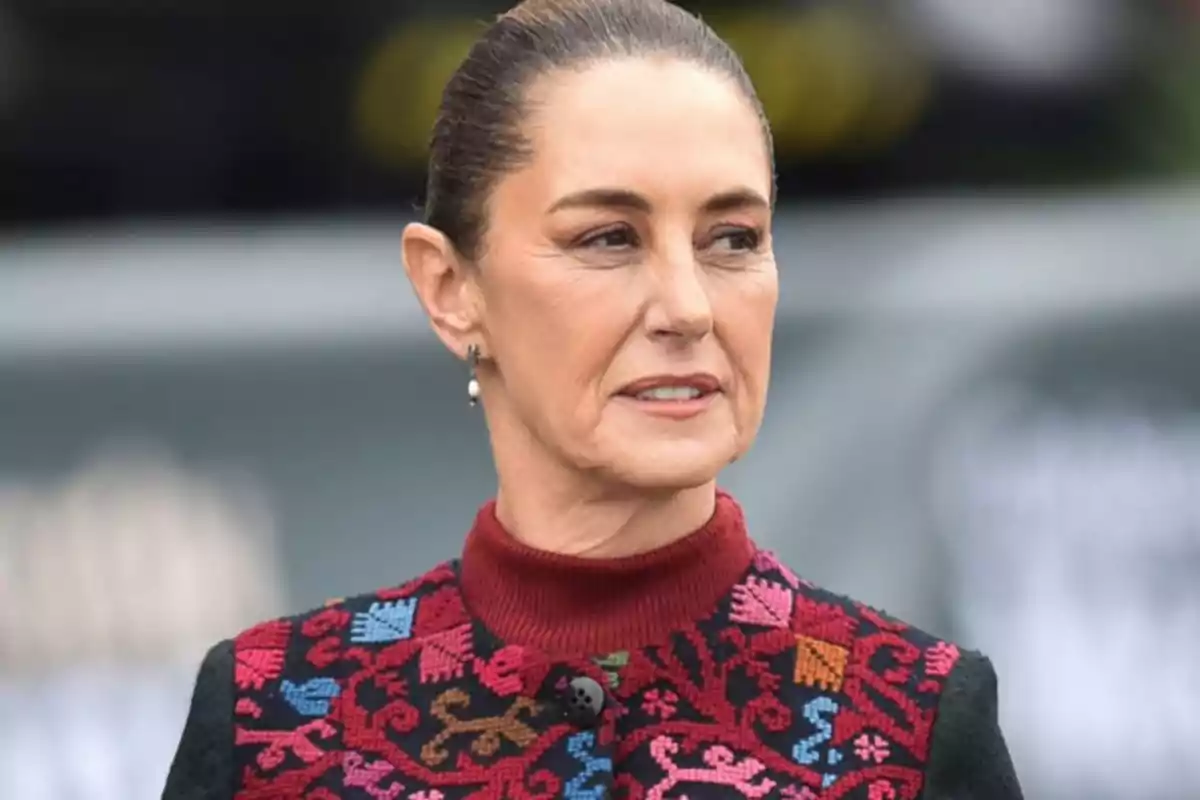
pixel 785 690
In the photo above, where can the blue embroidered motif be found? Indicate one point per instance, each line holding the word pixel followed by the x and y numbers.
pixel 384 622
pixel 312 697
pixel 579 746
pixel 806 750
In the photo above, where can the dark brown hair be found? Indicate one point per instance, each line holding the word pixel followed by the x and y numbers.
pixel 477 137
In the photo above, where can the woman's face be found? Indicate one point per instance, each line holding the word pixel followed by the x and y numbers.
pixel 627 286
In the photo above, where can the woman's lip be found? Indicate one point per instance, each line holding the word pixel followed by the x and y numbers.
pixel 672 409
pixel 700 381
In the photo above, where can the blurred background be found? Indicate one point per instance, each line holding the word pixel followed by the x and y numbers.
pixel 985 414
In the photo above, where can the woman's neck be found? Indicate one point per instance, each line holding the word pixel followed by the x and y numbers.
pixel 597 524
pixel 556 507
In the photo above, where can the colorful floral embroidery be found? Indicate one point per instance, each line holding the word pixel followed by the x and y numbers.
pixel 820 663
pixel 312 697
pixel 760 602
pixel 580 747
pixel 940 659
pixel 661 704
pixel 872 748
pixel 612 664
pixel 368 776
pixel 384 622
pixel 785 691
pixel 720 768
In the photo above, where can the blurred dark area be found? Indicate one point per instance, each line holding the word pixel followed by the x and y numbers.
pixel 127 107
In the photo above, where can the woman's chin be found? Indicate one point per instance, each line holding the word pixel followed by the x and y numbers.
pixel 671 465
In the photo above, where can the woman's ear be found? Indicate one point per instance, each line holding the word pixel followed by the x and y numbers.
pixel 444 284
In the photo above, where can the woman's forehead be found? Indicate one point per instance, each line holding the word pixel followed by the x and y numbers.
pixel 646 123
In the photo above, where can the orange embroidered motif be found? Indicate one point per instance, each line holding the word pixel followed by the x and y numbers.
pixel 820 663
pixel 488 730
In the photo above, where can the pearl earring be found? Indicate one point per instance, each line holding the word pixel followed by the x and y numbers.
pixel 473 390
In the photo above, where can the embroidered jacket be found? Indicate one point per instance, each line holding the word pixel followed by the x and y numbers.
pixel 469 682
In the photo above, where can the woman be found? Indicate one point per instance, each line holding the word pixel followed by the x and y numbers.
pixel 597 247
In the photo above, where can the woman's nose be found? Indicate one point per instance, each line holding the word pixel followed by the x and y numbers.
pixel 680 305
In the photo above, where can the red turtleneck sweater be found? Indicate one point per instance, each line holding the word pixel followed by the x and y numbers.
pixel 569 605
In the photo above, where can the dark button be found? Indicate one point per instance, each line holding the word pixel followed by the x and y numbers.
pixel 584 701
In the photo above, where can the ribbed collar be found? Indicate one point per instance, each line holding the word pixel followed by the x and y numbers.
pixel 567 605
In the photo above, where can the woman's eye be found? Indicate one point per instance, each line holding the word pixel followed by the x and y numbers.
pixel 741 240
pixel 614 239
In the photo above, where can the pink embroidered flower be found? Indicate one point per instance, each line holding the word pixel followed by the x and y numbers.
pixel 757 601
pixel 660 704
pixel 798 793
pixel 432 794
pixel 872 748
pixel 881 790
pixel 940 659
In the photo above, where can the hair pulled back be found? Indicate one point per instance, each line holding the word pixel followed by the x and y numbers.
pixel 477 137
